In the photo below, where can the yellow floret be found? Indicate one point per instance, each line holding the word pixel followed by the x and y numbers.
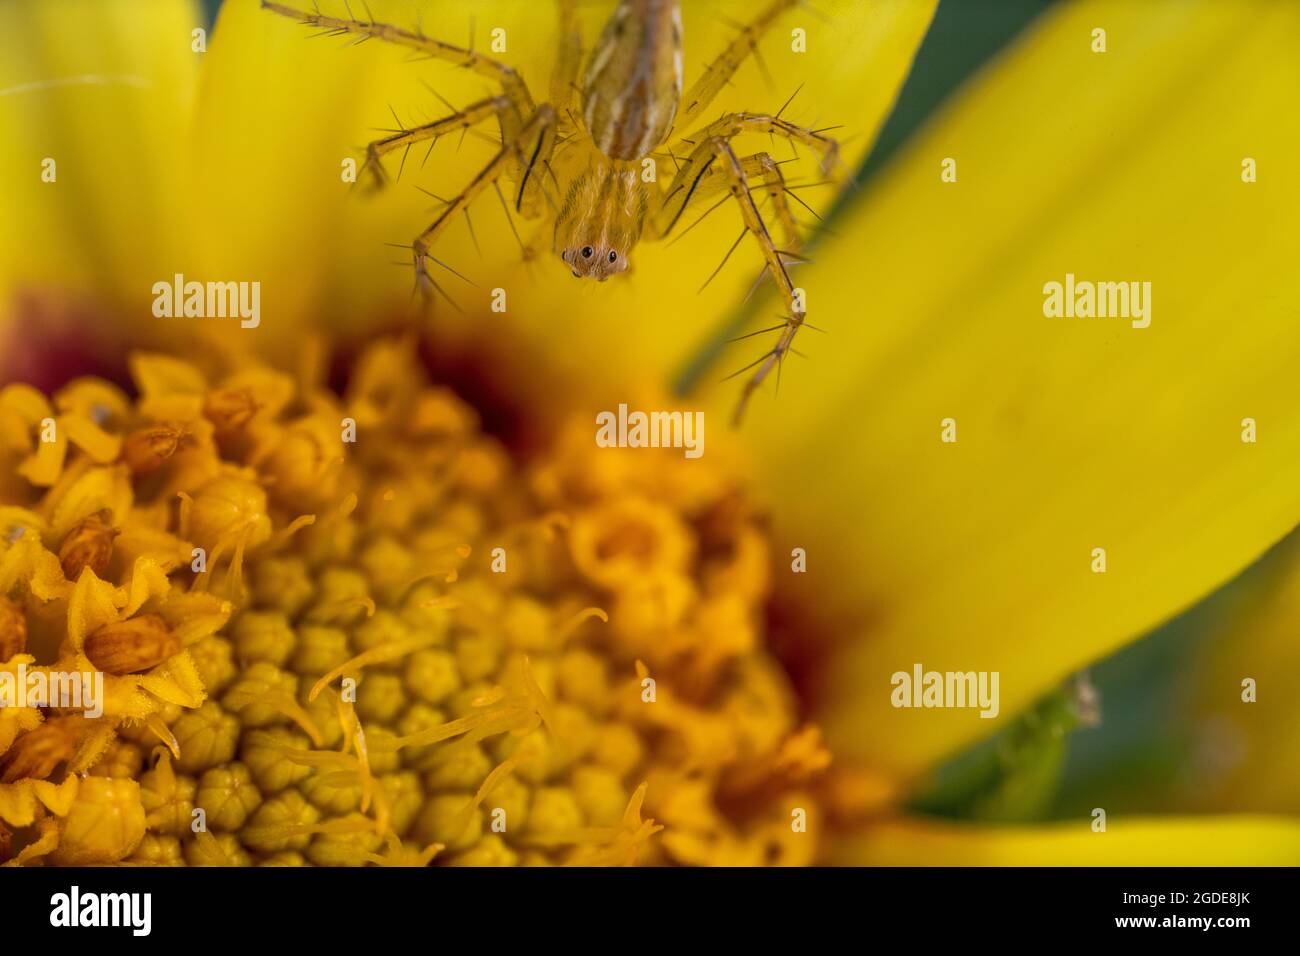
pixel 227 794
pixel 207 736
pixel 443 819
pixel 432 675
pixel 105 824
pixel 263 752
pixel 263 636
pixel 282 822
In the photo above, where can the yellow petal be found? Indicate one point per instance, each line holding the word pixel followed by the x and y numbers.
pixel 1137 841
pixel 99 445
pixel 18 803
pixel 176 681
pixel 45 844
pixel 84 493
pixel 90 748
pixel 27 560
pixel 1073 434
pixel 45 464
pixel 93 398
pixel 93 604
pixel 148 580
pixel 103 88
pixel 122 694
pixel 16 720
pixel 159 376
pixel 58 798
pixel 29 404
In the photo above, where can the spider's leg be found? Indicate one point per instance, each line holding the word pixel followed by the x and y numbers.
pixel 795 301
pixel 568 60
pixel 759 166
pixel 774 183
pixel 530 148
pixel 500 106
pixel 714 160
pixel 512 84
pixel 733 124
pixel 719 72
pixel 539 243
pixel 700 170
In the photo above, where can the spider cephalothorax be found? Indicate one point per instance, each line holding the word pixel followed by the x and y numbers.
pixel 600 217
pixel 610 111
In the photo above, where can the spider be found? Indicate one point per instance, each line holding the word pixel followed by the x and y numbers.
pixel 606 117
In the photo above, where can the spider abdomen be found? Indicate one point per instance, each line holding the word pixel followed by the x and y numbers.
pixel 633 80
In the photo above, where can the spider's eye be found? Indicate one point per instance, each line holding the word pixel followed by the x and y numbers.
pixel 586 252
pixel 612 255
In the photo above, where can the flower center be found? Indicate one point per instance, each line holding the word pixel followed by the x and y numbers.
pixel 405 646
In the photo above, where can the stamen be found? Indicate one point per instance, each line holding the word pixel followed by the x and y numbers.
pixel 575 622
pixel 164 733
pixel 376 655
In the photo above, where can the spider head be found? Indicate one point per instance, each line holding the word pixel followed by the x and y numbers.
pixel 594 261
pixel 601 217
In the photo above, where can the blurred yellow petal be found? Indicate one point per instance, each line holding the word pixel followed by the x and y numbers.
pixel 1073 434
pixel 104 89
pixel 1140 841
pixel 279 113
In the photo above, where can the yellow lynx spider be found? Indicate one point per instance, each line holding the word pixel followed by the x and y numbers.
pixel 603 120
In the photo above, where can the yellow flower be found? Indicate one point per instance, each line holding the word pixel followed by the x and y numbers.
pixel 514 694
